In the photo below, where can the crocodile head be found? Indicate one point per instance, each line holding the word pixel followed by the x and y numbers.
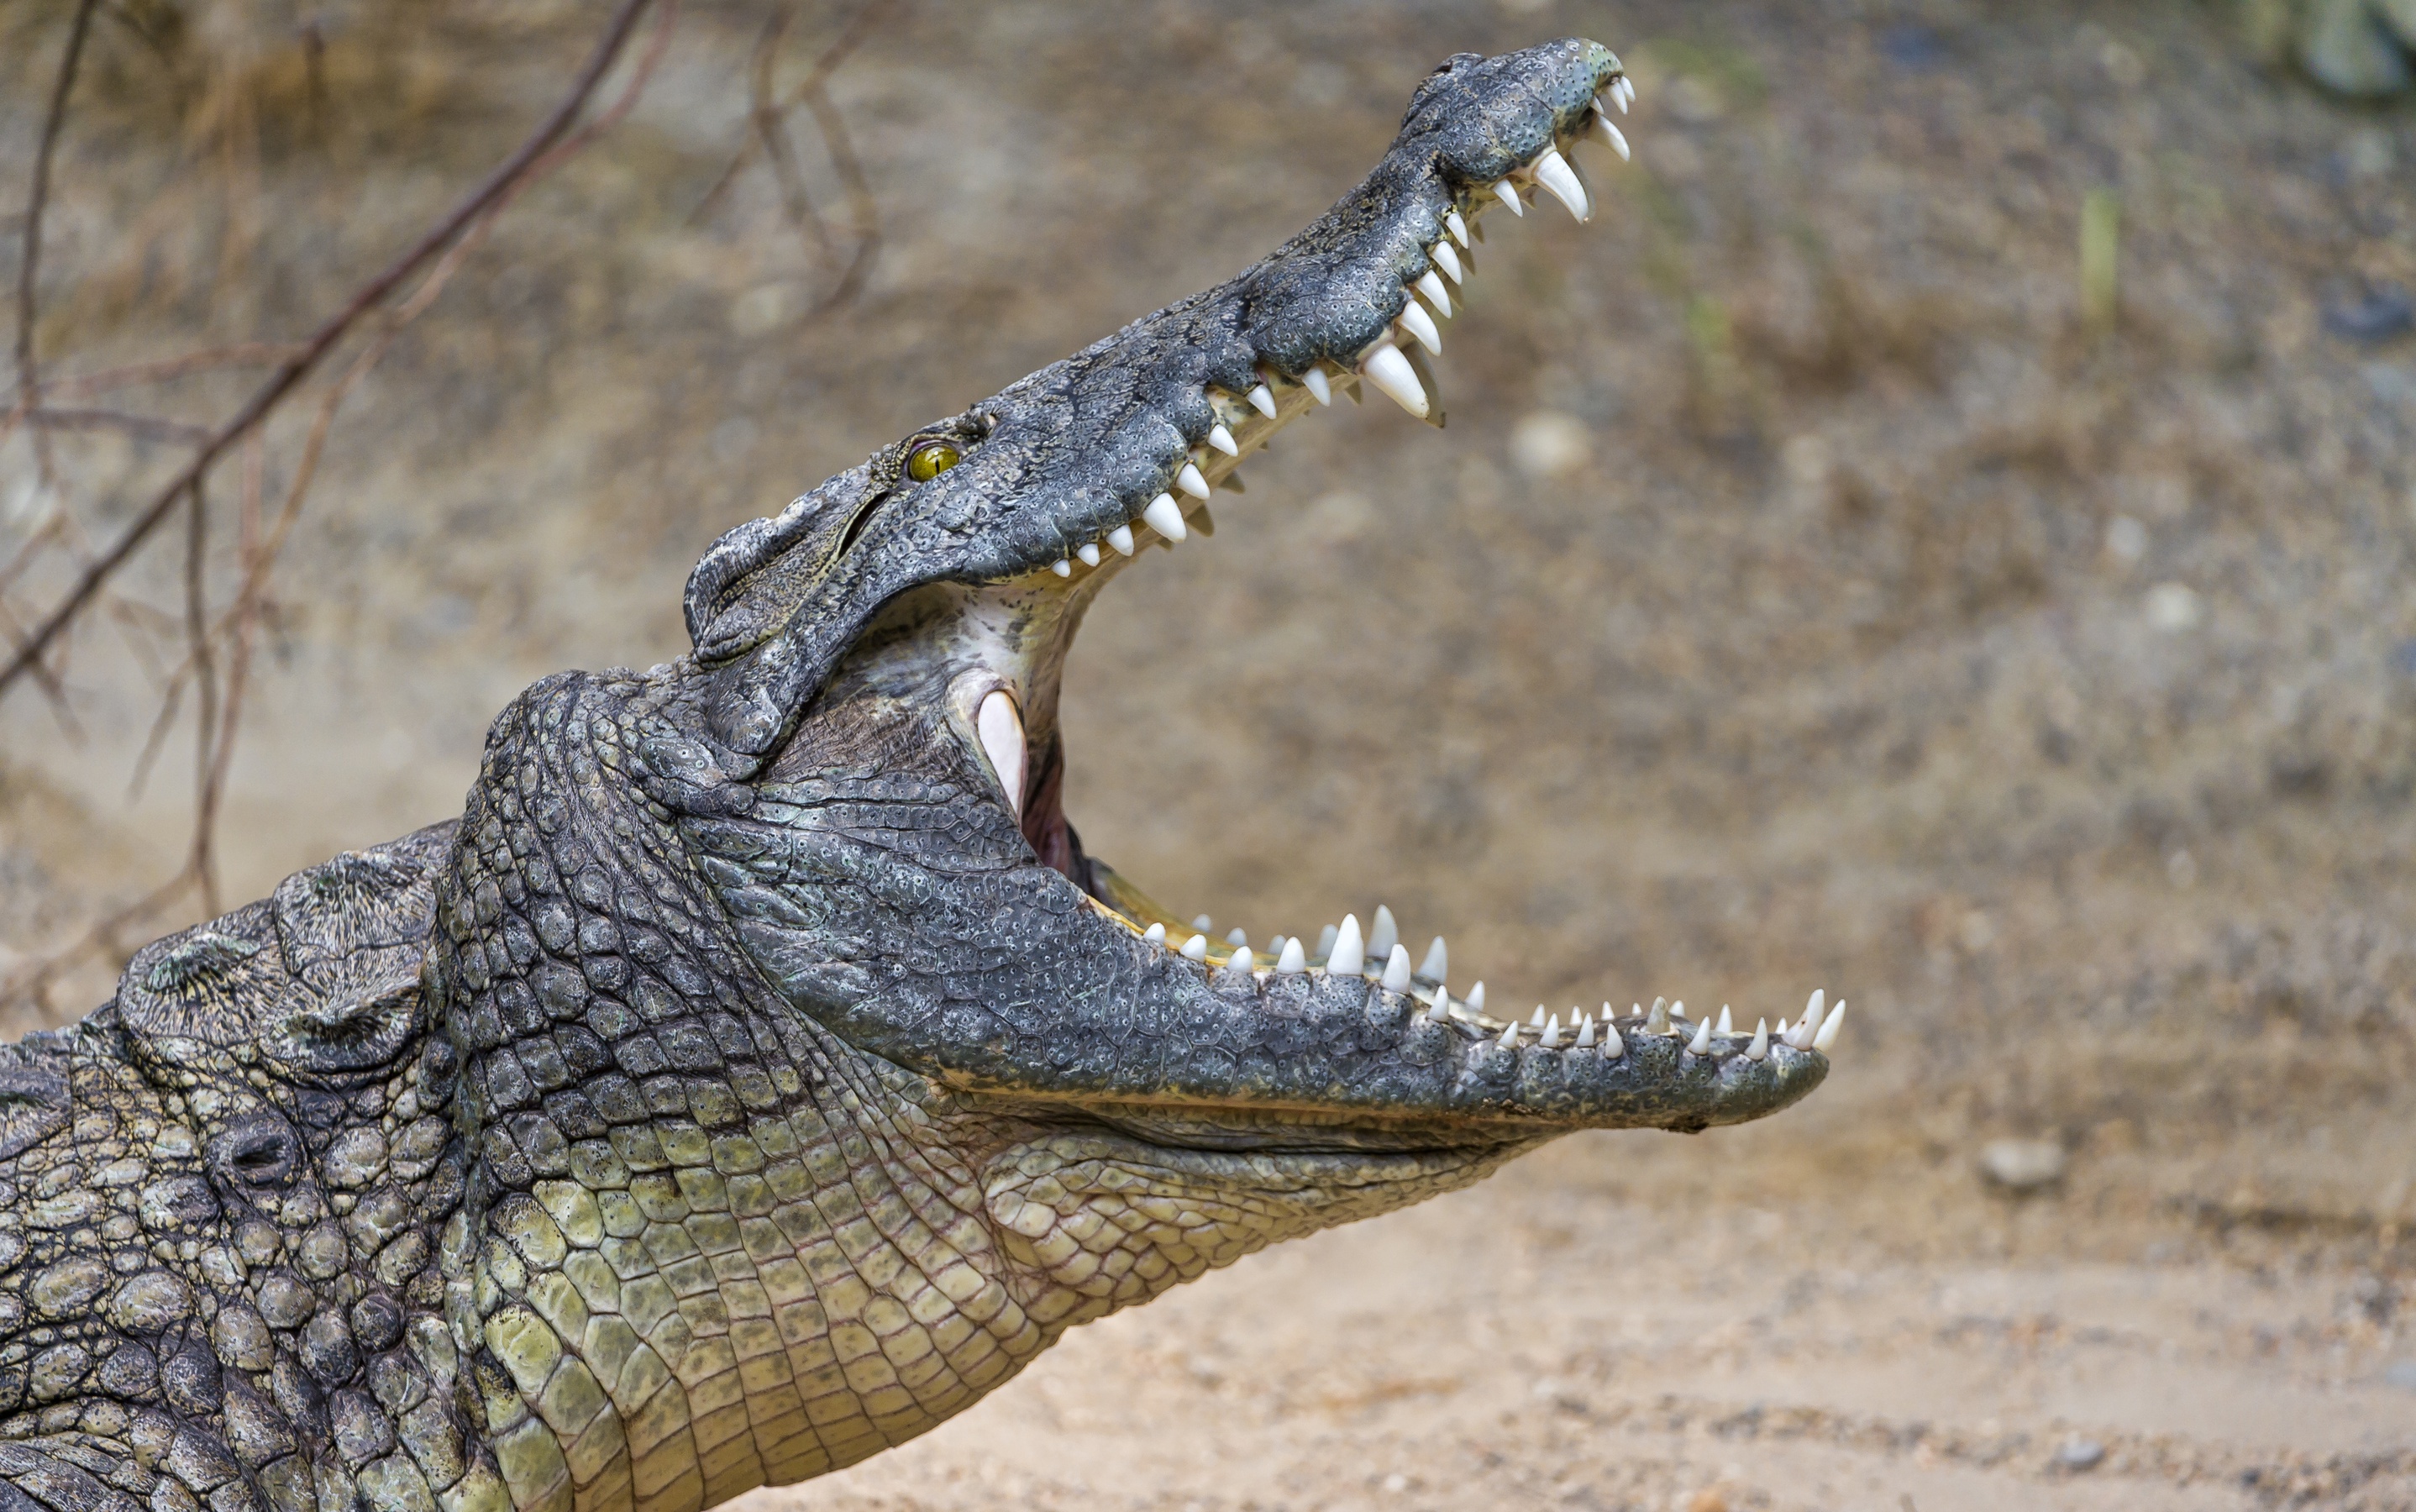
pixel 779 976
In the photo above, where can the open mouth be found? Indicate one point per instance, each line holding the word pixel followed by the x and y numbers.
pixel 1394 364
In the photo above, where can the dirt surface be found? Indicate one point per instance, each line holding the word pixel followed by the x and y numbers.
pixel 1805 592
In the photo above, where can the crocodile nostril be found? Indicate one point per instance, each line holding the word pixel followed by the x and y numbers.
pixel 259 1150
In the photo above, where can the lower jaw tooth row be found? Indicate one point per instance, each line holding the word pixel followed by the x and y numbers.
pixel 1342 952
pixel 1382 363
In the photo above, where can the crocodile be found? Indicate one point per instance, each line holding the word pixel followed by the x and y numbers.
pixel 760 1071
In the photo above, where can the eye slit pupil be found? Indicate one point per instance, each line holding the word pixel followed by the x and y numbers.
pixel 929 460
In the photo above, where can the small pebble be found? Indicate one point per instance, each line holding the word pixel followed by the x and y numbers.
pixel 2079 1454
pixel 2023 1165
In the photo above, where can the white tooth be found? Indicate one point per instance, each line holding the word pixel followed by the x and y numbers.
pixel 1243 959
pixel 1222 440
pixel 1782 1029
pixel 1430 284
pixel 1612 1046
pixel 1203 923
pixel 1293 961
pixel 1318 389
pixel 1553 1034
pixel 1702 1043
pixel 1348 958
pixel 1089 553
pixel 1165 517
pixel 1612 137
pixel 1383 933
pixel 1726 1027
pixel 1262 400
pixel 1809 1025
pixel 1415 321
pixel 1537 1021
pixel 1828 1035
pixel 1062 567
pixel 1585 1034
pixel 1441 1011
pixel 1436 966
pixel 1553 173
pixel 1396 971
pixel 1678 1010
pixel 1325 938
pixel 1237 937
pixel 1196 948
pixel 1510 1036
pixel 1190 482
pixel 1507 193
pixel 1759 1049
pixel 1275 944
pixel 1657 1022
pixel 1391 371
pixel 1626 93
pixel 1122 539
pixel 1476 999
pixel 1448 261
pixel 1458 225
pixel 1154 934
pixel 1001 729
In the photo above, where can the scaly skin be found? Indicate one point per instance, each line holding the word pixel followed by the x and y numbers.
pixel 760 1072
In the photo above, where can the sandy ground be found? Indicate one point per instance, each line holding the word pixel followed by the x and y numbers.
pixel 1801 593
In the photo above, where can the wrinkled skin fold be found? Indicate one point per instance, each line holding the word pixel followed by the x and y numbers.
pixel 760 1072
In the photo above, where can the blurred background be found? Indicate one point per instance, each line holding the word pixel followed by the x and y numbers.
pixel 1943 533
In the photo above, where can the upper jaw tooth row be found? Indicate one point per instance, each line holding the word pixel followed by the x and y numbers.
pixel 1246 420
pixel 1342 951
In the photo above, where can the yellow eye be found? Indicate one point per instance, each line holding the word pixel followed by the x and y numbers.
pixel 929 460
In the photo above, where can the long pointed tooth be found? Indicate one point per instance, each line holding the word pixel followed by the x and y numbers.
pixel 1348 958
pixel 1122 539
pixel 1678 1010
pixel 1441 1010
pixel 1196 948
pixel 1313 379
pixel 1537 1022
pixel 1222 440
pixel 1391 371
pixel 1430 284
pixel 1154 934
pixel 1626 93
pixel 1553 173
pixel 1062 567
pixel 1759 1049
pixel 1476 999
pixel 1000 725
pixel 1165 517
pixel 1553 1034
pixel 1447 259
pixel 1611 136
pixel 1452 221
pixel 1782 1029
pixel 1415 321
pixel 1828 1035
pixel 1809 1025
pixel 1510 1036
pixel 1190 482
pixel 1383 933
pixel 1396 971
pixel 1293 961
pixel 1726 1027
pixel 1436 966
pixel 1262 400
pixel 1657 1022
pixel 1585 1034
pixel 1089 553
pixel 1325 938
pixel 1702 1043
pixel 1612 1046
pixel 1507 193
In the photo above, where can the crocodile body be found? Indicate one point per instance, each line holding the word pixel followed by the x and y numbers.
pixel 758 1072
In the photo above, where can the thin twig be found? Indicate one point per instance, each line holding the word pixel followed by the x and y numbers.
pixel 141 427
pixel 244 355
pixel 771 121
pixel 536 149
pixel 29 375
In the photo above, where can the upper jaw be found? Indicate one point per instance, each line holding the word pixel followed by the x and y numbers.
pixel 1108 440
